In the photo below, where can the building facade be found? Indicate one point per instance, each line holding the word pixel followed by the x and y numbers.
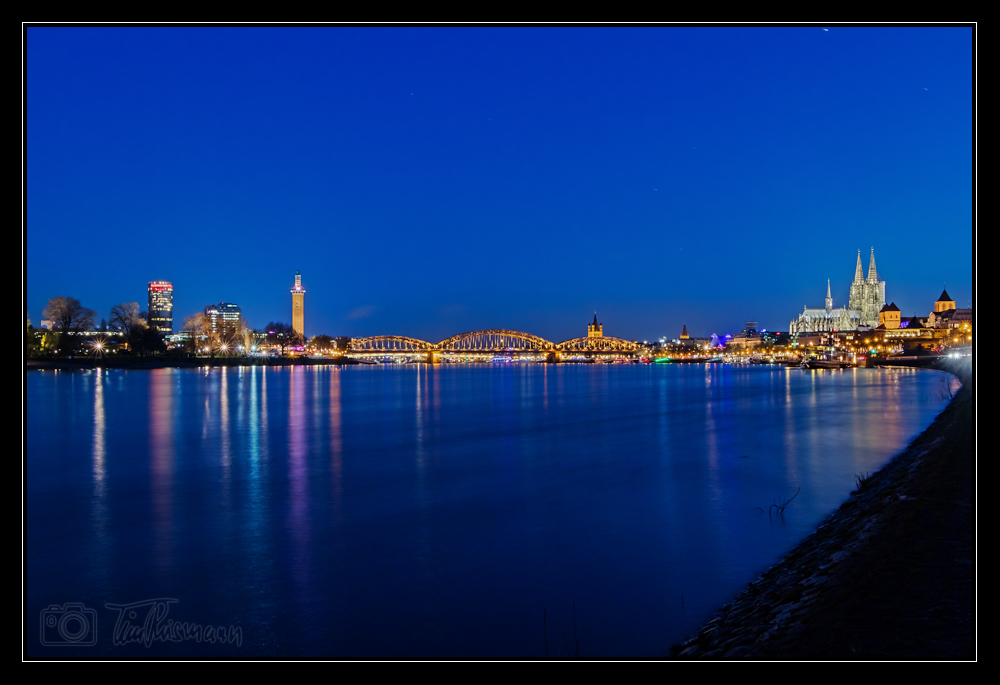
pixel 298 305
pixel 161 307
pixel 867 297
pixel 747 339
pixel 889 317
pixel 225 318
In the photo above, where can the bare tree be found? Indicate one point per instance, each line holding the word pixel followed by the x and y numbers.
pixel 68 315
pixel 247 338
pixel 126 317
pixel 199 327
pixel 214 329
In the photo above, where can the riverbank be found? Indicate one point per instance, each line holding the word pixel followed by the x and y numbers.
pixel 177 362
pixel 890 575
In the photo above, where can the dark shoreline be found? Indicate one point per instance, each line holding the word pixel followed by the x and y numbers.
pixel 891 575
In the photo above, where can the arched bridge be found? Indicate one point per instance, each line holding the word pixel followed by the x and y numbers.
pixel 491 340
pixel 602 344
pixel 494 340
pixel 390 343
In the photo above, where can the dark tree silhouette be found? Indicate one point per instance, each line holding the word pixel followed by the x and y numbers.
pixel 127 318
pixel 68 316
pixel 282 335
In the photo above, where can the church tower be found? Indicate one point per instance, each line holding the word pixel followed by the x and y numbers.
pixel 829 297
pixel 944 303
pixel 298 315
pixel 684 333
pixel 595 330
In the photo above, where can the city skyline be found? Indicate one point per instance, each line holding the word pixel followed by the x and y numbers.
pixel 428 181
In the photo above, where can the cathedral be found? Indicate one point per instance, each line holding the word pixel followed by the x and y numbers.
pixel 866 300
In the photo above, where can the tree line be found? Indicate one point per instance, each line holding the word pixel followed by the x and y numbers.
pixel 73 331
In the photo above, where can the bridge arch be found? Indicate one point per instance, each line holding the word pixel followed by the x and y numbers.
pixel 603 344
pixel 494 339
pixel 390 343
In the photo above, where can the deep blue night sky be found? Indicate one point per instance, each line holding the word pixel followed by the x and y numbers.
pixel 430 181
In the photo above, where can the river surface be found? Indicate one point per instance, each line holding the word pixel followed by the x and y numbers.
pixel 430 511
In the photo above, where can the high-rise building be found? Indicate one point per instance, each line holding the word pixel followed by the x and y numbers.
pixel 225 318
pixel 161 307
pixel 298 315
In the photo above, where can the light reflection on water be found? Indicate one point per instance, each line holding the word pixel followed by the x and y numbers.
pixel 419 510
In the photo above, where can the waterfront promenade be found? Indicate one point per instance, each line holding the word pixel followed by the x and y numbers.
pixel 891 575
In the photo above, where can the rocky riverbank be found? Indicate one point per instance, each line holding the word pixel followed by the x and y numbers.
pixel 889 575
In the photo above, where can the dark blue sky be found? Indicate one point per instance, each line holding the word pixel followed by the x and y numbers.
pixel 430 181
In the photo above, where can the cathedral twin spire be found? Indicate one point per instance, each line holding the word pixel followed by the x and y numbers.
pixel 872 272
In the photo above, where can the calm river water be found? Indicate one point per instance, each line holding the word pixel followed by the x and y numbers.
pixel 408 511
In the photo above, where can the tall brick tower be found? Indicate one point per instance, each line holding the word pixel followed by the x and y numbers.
pixel 298 298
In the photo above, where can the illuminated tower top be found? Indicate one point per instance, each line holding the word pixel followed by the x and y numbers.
pixel 684 333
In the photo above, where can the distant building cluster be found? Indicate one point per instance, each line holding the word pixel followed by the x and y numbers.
pixel 912 332
pixel 222 322
pixel 867 325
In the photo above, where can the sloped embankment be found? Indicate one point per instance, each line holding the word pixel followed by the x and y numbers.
pixel 889 575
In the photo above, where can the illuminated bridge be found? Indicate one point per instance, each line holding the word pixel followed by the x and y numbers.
pixel 492 341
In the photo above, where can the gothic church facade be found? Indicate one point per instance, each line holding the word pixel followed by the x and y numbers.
pixel 867 297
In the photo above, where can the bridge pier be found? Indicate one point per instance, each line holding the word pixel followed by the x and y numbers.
pixel 433 357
